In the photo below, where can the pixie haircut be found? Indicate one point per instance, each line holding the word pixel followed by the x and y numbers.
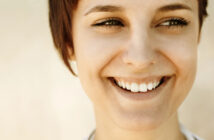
pixel 60 19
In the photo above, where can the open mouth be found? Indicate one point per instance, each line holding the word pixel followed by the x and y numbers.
pixel 141 87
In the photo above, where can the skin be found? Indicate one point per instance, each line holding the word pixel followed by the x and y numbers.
pixel 143 49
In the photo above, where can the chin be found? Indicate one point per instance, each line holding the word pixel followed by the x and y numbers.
pixel 140 121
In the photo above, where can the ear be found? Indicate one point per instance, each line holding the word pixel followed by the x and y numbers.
pixel 199 37
pixel 71 54
pixel 72 62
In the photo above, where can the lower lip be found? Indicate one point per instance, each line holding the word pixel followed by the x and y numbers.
pixel 140 95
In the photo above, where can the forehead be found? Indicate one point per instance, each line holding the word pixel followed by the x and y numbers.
pixel 142 5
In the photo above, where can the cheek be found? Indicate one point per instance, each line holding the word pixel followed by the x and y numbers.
pixel 182 54
pixel 181 51
pixel 93 54
pixel 96 51
pixel 184 59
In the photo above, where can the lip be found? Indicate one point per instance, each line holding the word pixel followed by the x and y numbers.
pixel 141 80
pixel 140 96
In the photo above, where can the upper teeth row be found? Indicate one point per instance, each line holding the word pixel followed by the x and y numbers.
pixel 135 87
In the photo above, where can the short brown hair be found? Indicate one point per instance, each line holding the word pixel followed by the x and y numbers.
pixel 60 16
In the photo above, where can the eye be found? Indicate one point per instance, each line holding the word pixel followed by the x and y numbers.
pixel 174 22
pixel 110 22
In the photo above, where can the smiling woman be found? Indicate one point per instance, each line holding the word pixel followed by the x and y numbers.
pixel 136 61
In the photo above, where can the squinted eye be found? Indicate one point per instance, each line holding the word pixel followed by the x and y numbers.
pixel 177 22
pixel 109 23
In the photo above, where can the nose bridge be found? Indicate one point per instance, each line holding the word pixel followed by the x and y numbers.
pixel 139 35
pixel 139 52
pixel 139 41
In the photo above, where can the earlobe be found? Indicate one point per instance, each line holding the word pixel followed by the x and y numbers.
pixel 72 60
pixel 71 55
pixel 199 36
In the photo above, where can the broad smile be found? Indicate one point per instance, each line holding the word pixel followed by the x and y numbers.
pixel 139 89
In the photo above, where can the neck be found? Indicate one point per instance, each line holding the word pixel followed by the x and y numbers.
pixel 169 130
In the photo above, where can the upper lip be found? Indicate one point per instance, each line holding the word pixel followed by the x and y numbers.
pixel 139 80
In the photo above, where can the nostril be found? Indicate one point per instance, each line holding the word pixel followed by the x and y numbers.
pixel 139 64
pixel 137 59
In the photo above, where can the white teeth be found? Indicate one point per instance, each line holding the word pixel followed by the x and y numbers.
pixel 157 83
pixel 134 87
pixel 128 86
pixel 143 88
pixel 123 84
pixel 154 85
pixel 150 86
pixel 119 83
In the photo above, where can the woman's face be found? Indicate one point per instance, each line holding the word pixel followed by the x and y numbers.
pixel 136 58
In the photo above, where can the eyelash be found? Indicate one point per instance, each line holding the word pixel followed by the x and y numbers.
pixel 109 22
pixel 172 22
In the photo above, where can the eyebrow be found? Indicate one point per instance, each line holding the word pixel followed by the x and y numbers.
pixel 111 8
pixel 105 8
pixel 173 7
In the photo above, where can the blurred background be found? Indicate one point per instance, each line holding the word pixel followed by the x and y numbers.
pixel 41 100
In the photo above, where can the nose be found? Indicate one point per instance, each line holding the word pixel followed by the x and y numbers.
pixel 139 54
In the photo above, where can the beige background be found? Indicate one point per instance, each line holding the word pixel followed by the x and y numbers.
pixel 40 100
